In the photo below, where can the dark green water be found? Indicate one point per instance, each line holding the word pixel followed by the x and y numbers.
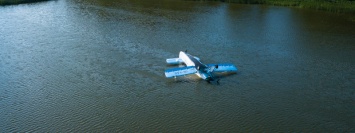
pixel 98 66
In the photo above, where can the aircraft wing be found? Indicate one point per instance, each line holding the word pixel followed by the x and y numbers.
pixel 225 67
pixel 174 61
pixel 180 71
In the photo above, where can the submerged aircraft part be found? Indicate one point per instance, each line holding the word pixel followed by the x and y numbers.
pixel 194 66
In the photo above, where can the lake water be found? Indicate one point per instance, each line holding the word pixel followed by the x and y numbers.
pixel 98 66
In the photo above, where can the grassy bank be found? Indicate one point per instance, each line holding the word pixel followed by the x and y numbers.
pixel 14 2
pixel 338 6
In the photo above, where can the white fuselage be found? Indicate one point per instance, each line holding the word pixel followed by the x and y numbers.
pixel 192 61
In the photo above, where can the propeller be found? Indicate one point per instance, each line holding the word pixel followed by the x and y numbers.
pixel 212 77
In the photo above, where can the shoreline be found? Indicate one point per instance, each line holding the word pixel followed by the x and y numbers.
pixel 16 2
pixel 336 6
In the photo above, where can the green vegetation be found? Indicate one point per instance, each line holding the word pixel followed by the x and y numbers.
pixel 14 2
pixel 338 6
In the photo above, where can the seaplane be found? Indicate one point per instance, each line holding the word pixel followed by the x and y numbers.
pixel 194 66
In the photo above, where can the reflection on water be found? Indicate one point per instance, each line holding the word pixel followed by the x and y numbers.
pixel 97 65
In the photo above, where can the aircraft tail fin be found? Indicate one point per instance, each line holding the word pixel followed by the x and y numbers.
pixel 180 71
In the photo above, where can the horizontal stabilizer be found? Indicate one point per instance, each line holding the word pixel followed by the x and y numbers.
pixel 180 71
pixel 174 61
pixel 225 67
